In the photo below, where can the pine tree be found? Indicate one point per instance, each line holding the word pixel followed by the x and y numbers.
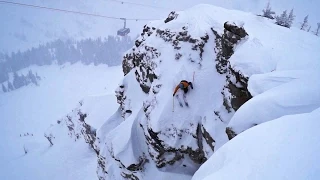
pixel 309 29
pixel 38 77
pixel 10 86
pixel 19 81
pixel 268 12
pixel 290 19
pixel 318 30
pixel 4 89
pixel 304 25
pixel 282 19
pixel 32 78
pixel 15 81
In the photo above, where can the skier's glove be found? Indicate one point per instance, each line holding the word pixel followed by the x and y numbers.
pixel 172 94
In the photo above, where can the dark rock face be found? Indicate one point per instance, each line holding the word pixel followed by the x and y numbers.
pixel 142 57
pixel 88 132
pixel 173 15
pixel 121 99
pixel 239 32
pixel 235 92
pixel 231 134
pixel 77 128
pixel 176 153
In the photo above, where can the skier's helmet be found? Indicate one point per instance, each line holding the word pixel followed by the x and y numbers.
pixel 181 86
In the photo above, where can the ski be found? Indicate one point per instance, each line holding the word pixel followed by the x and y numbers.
pixel 179 100
pixel 185 100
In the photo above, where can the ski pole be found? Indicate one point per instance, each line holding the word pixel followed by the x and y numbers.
pixel 173 104
pixel 193 77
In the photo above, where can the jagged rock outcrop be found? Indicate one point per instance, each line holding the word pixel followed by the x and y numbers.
pixel 76 127
pixel 235 92
pixel 155 137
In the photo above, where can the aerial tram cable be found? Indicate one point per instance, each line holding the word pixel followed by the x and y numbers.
pixel 138 4
pixel 121 32
pixel 74 12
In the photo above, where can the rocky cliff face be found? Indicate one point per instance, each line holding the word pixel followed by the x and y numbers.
pixel 176 141
pixel 235 92
pixel 76 127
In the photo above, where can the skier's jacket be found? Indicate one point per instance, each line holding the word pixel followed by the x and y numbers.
pixel 184 85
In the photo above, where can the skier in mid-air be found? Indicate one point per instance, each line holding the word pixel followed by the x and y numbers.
pixel 183 85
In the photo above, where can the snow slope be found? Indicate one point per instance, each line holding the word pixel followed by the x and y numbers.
pixel 32 111
pixel 159 137
pixel 28 27
pixel 150 135
pixel 277 94
pixel 283 76
pixel 286 148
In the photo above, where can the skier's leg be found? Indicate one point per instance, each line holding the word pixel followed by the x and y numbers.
pixel 185 96
pixel 179 100
pixel 185 90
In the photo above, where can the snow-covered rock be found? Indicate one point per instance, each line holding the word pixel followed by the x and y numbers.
pixel 277 94
pixel 243 71
pixel 218 50
pixel 157 135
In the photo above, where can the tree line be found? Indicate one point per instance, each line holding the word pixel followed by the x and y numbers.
pixel 286 19
pixel 97 51
pixel 20 81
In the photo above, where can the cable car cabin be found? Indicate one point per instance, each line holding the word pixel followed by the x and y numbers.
pixel 123 32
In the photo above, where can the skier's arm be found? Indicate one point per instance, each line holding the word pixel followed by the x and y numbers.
pixel 190 83
pixel 175 90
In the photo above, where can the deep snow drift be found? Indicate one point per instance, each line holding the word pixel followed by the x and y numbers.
pixel 285 148
pixel 159 137
pixel 28 113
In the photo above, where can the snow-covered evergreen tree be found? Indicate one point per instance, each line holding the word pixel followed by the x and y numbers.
pixel 285 20
pixel 38 77
pixel 18 81
pixel 318 29
pixel 309 29
pixel 282 19
pixel 4 89
pixel 10 86
pixel 268 13
pixel 32 78
pixel 304 25
pixel 290 19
